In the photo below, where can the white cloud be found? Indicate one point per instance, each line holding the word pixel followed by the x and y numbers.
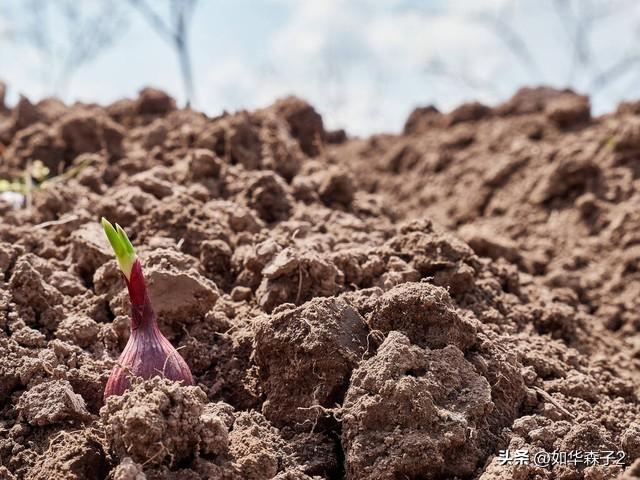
pixel 362 63
pixel 236 83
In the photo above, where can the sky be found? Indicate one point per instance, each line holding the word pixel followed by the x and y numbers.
pixel 363 64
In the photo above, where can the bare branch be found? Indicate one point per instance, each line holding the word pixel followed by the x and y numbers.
pixel 510 37
pixel 580 25
pixel 82 31
pixel 440 68
pixel 176 33
pixel 578 30
pixel 615 71
pixel 156 22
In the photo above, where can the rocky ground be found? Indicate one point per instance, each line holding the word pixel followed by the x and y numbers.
pixel 396 307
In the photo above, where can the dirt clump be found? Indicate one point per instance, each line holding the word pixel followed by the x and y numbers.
pixel 415 412
pixel 23 115
pixel 293 276
pixel 425 314
pixel 568 110
pixel 75 455
pixel 83 132
pixel 152 101
pixel 51 402
pixel 180 297
pixel 159 424
pixel 317 326
pixel 156 421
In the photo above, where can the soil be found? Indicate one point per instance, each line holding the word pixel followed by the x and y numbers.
pixel 396 307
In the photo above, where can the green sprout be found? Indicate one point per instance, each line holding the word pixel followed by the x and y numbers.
pixel 125 254
pixel 11 186
pixel 36 172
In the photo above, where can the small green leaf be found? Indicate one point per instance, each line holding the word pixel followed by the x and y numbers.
pixel 125 240
pixel 121 245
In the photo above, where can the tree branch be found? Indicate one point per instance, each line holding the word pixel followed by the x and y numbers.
pixel 154 19
pixel 615 71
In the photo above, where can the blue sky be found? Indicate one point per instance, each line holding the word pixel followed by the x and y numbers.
pixel 364 64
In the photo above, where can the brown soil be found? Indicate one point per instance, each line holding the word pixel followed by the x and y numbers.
pixel 397 307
